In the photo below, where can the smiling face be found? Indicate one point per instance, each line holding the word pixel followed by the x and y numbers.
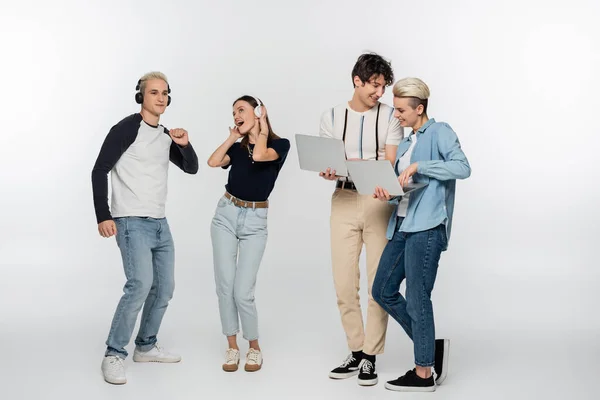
pixel 371 91
pixel 243 116
pixel 408 111
pixel 156 96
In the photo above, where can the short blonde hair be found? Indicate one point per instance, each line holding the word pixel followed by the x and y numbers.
pixel 151 75
pixel 413 88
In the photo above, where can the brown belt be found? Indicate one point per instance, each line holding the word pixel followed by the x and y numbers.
pixel 247 204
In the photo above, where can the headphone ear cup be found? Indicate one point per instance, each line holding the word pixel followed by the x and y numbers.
pixel 139 98
pixel 257 111
pixel 169 101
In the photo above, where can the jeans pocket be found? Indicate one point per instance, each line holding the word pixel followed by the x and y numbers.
pixel 222 202
pixel 262 213
pixel 444 235
pixel 122 231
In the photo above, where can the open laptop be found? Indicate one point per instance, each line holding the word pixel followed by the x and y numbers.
pixel 316 153
pixel 369 174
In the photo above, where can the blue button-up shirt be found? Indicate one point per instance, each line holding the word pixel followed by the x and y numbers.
pixel 440 161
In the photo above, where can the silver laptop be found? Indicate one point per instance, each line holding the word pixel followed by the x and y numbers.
pixel 316 153
pixel 367 175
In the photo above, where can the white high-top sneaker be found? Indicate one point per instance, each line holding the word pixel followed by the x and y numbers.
pixel 232 360
pixel 155 354
pixel 113 369
pixel 253 360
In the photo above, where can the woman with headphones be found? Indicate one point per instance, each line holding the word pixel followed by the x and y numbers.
pixel 239 226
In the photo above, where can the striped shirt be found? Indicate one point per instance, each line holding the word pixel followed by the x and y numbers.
pixel 365 134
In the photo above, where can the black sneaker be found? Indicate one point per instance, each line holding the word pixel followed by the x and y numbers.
pixel 411 382
pixel 348 368
pixel 367 375
pixel 442 348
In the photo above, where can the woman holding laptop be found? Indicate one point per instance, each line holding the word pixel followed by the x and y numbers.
pixel 418 231
pixel 239 226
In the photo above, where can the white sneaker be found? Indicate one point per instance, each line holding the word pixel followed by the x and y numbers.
pixel 232 360
pixel 155 354
pixel 253 360
pixel 113 368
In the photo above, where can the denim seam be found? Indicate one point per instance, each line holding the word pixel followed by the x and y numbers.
pixel 117 317
pixel 385 306
pixel 158 291
pixel 119 312
pixel 158 286
pixel 423 291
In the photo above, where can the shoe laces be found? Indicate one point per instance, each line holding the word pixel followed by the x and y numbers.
pixel 350 359
pixel 159 348
pixel 116 363
pixel 253 355
pixel 366 366
pixel 230 355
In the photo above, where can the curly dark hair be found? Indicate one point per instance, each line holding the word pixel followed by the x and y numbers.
pixel 370 64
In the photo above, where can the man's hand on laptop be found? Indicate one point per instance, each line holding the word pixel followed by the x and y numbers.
pixel 381 194
pixel 329 174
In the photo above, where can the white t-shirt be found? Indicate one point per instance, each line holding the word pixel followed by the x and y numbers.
pixel 404 163
pixel 362 139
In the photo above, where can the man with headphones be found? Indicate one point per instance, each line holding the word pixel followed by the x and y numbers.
pixel 137 152
pixel 369 132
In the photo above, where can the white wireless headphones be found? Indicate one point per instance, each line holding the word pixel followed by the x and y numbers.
pixel 257 109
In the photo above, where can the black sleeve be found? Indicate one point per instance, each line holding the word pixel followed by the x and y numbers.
pixel 282 147
pixel 184 157
pixel 231 152
pixel 118 140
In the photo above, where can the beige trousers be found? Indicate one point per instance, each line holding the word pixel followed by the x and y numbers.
pixel 358 219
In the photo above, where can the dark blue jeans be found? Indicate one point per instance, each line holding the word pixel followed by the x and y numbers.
pixel 414 257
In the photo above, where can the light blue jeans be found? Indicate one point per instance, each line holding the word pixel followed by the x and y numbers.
pixel 239 238
pixel 148 255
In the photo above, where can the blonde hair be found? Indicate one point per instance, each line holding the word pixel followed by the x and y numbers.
pixel 413 88
pixel 151 75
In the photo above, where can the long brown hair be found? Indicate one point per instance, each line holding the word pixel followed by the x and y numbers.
pixel 252 101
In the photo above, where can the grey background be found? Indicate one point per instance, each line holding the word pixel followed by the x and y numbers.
pixel 516 291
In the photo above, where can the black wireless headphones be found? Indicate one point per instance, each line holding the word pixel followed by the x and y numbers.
pixel 139 96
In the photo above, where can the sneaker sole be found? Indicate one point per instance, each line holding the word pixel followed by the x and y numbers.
pixel 442 377
pixel 230 367
pixel 409 388
pixel 252 368
pixel 369 382
pixel 336 375
pixel 156 360
pixel 116 382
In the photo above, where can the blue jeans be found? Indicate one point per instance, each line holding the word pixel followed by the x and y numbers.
pixel 414 257
pixel 239 238
pixel 148 255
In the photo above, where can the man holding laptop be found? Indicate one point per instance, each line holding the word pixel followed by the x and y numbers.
pixel 369 132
